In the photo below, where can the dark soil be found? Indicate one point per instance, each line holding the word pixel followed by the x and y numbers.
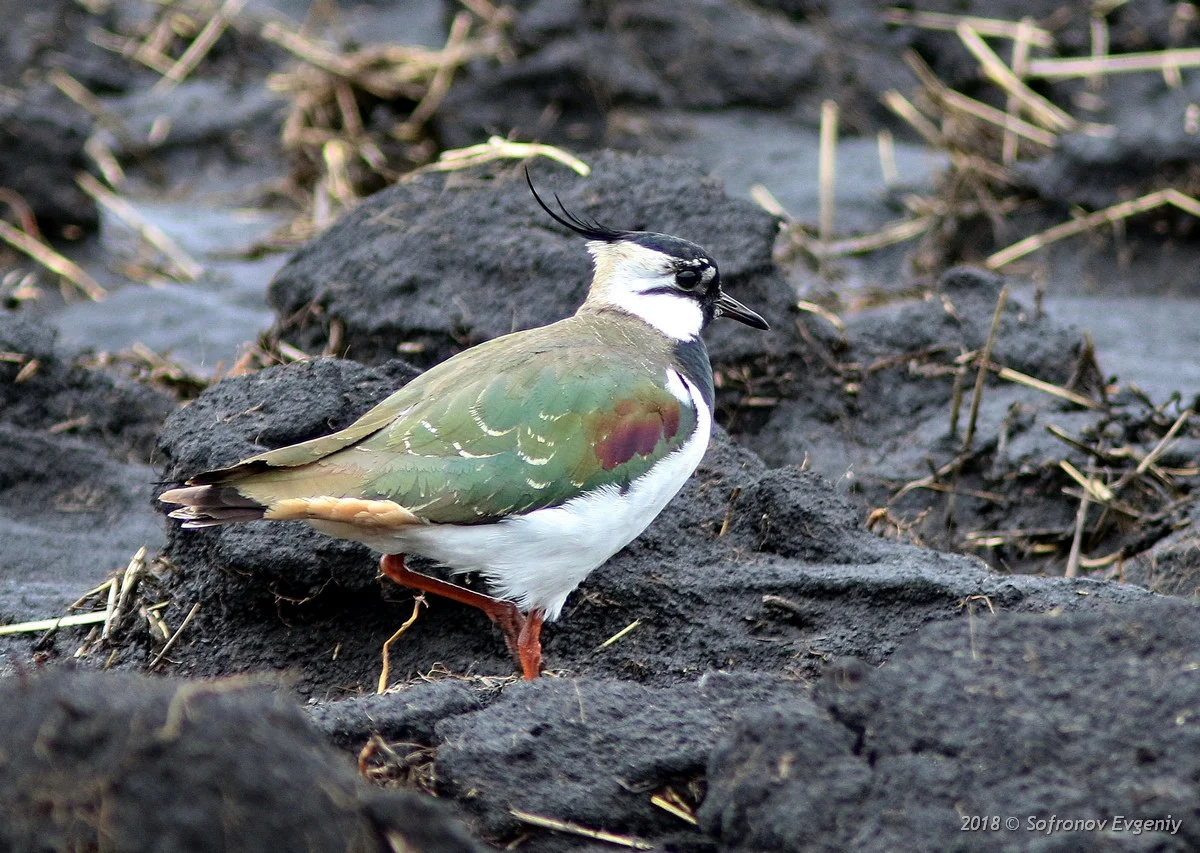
pixel 1076 716
pixel 75 447
pixel 804 652
pixel 106 761
pixel 41 151
pixel 874 409
pixel 41 132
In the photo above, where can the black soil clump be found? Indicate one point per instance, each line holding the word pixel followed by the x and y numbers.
pixel 887 409
pixel 114 761
pixel 75 469
pixel 1082 716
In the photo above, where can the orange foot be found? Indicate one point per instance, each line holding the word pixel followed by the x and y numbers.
pixel 522 634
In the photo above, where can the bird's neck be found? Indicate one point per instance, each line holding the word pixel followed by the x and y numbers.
pixel 680 320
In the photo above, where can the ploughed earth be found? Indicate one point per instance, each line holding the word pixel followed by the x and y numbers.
pixel 938 566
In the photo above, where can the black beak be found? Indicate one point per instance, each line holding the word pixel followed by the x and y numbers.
pixel 729 307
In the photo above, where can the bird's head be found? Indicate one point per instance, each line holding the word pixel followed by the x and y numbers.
pixel 668 282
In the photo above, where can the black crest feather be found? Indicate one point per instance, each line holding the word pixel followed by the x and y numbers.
pixel 592 230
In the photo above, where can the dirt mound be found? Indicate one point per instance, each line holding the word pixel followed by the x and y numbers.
pixel 75 447
pixel 111 761
pixel 58 393
pixel 1083 716
pixel 442 262
pixel 615 745
pixel 875 409
pixel 698 56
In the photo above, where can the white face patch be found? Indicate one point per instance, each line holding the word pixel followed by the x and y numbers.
pixel 677 317
pixel 626 276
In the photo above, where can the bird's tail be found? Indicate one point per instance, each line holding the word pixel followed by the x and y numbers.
pixel 275 497
pixel 208 506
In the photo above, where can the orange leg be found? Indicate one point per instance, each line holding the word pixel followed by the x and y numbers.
pixel 522 635
pixel 529 645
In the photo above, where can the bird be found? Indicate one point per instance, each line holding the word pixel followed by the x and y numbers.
pixel 531 458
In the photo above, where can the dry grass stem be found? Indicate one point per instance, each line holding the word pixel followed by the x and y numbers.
pixel 38 625
pixel 94 107
pixel 96 148
pixel 343 157
pixel 1009 146
pixel 1101 562
pixel 981 494
pixel 984 26
pixel 824 313
pixel 149 366
pixel 51 260
pixel 1099 32
pixel 386 71
pixel 904 108
pixel 498 148
pixel 1092 487
pixel 385 669
pixel 1065 437
pixel 185 268
pixel 672 807
pixel 110 610
pixel 888 235
pixel 150 50
pixel 187 620
pixel 1147 463
pixel 1119 211
pixel 582 831
pixel 1123 63
pixel 1047 114
pixel 79 603
pixel 199 48
pixel 765 199
pixel 1008 122
pixel 981 374
pixel 1010 375
pixel 886 142
pixel 22 212
pixel 120 594
pixel 827 169
pixel 728 517
pixel 620 634
pixel 27 371
pixel 439 85
pixel 1075 554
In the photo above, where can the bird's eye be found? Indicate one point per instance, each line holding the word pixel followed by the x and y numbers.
pixel 687 279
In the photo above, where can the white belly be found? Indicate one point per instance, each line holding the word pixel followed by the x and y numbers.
pixel 537 559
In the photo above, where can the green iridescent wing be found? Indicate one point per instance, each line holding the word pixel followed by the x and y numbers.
pixel 501 429
pixel 524 440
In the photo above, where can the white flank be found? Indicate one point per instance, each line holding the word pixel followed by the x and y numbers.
pixel 538 559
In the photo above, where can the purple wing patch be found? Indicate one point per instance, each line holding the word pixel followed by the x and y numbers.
pixel 634 427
